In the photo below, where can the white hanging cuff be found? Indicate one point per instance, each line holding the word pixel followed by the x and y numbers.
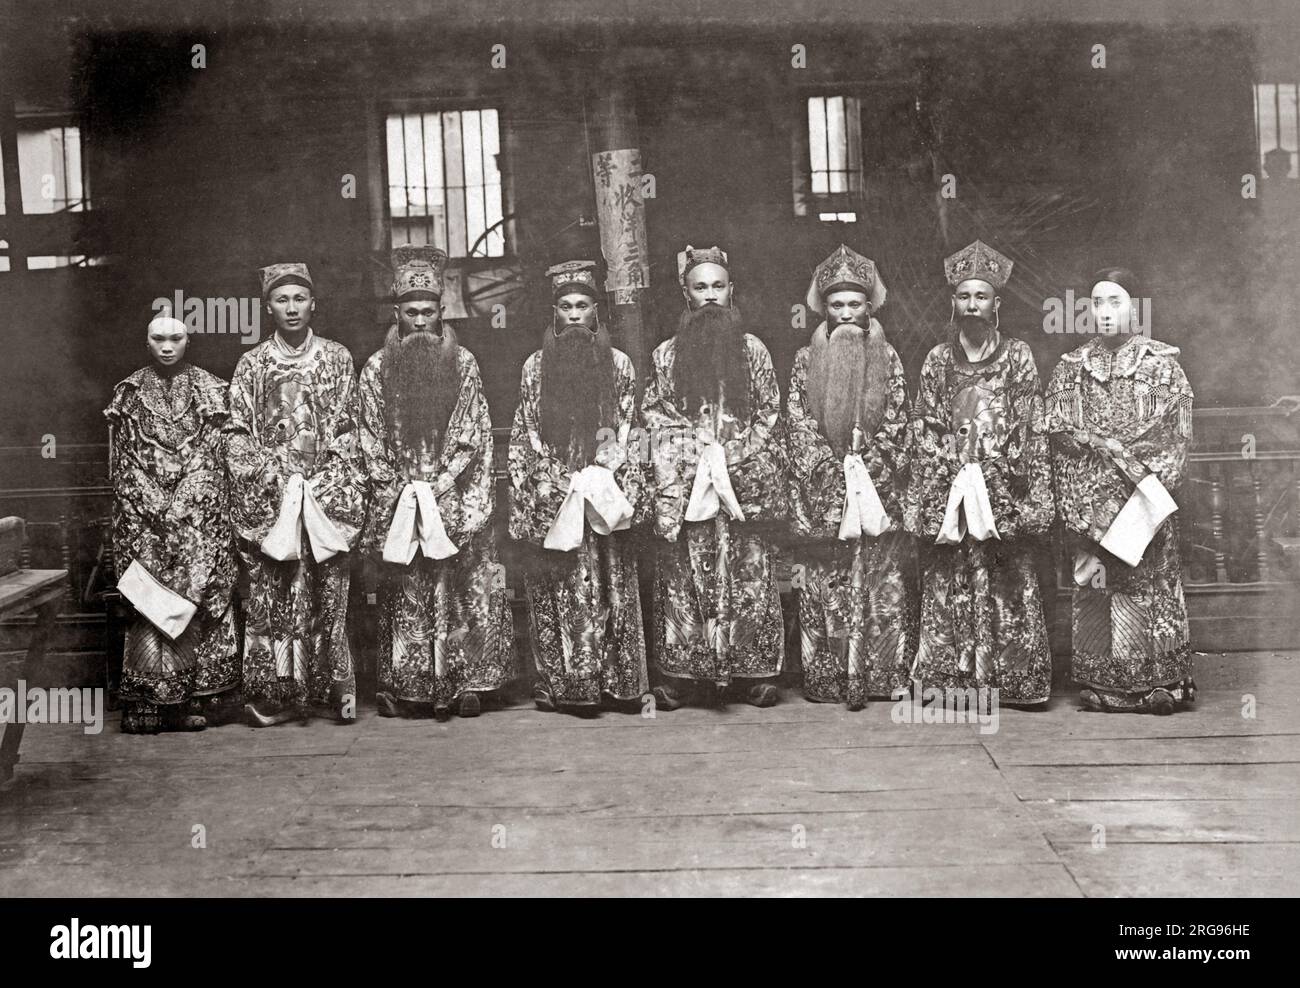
pixel 1137 522
pixel 712 489
pixel 167 610
pixel 417 524
pixel 864 514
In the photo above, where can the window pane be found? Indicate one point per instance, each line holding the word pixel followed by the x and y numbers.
pixel 435 195
pixel 72 157
pixel 853 142
pixel 454 163
pixel 413 142
pixel 49 169
pixel 475 223
pixel 396 167
pixel 817 142
pixel 1286 123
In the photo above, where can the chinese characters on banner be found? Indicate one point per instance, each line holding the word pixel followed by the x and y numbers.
pixel 620 211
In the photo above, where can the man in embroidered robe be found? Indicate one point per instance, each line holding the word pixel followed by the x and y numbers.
pixel 445 628
pixel 574 493
pixel 711 411
pixel 171 534
pixel 1119 414
pixel 298 501
pixel 846 430
pixel 979 496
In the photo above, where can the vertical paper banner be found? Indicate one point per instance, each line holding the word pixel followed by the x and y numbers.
pixel 620 211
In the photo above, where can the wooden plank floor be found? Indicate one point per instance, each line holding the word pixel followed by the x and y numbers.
pixel 798 799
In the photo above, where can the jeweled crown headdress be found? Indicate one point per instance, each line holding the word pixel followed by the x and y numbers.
pixel 978 260
pixel 417 268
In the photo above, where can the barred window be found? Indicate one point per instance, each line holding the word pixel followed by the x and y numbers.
pixel 835 144
pixel 828 166
pixel 444 184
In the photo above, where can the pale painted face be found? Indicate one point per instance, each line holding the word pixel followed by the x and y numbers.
pixel 575 309
pixel 418 315
pixel 167 342
pixel 708 284
pixel 1112 308
pixel 974 297
pixel 847 307
pixel 291 306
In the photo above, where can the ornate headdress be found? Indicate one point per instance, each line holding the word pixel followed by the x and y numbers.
pixel 573 276
pixel 849 270
pixel 978 260
pixel 284 273
pixel 693 256
pixel 417 269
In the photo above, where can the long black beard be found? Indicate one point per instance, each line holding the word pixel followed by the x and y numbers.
pixel 420 380
pixel 578 397
pixel 711 351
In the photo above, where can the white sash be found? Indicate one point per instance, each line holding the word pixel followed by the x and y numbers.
pixel 594 497
pixel 968 509
pixel 298 508
pixel 863 512
pixel 712 488
pixel 417 524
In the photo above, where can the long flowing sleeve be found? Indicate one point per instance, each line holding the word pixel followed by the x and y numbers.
pixel 538 480
pixel 1158 439
pixel 338 475
pixel 1019 481
pixel 382 473
pixel 464 488
pixel 139 501
pixel 755 454
pixel 674 448
pixel 256 481
pixel 934 460
pixel 197 524
pixel 623 453
pixel 886 453
pixel 814 476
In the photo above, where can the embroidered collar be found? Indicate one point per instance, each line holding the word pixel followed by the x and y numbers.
pixel 283 349
pixel 168 402
pixel 1103 363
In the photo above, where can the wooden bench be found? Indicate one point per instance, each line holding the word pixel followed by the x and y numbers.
pixel 39 590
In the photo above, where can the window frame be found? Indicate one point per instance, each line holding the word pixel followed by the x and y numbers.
pixel 420 105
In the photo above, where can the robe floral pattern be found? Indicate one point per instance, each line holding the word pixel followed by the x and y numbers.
pixel 1113 418
pixel 445 626
pixel 585 605
pixel 295 412
pixel 981 606
pixel 717 613
pixel 171 514
pixel 857 611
